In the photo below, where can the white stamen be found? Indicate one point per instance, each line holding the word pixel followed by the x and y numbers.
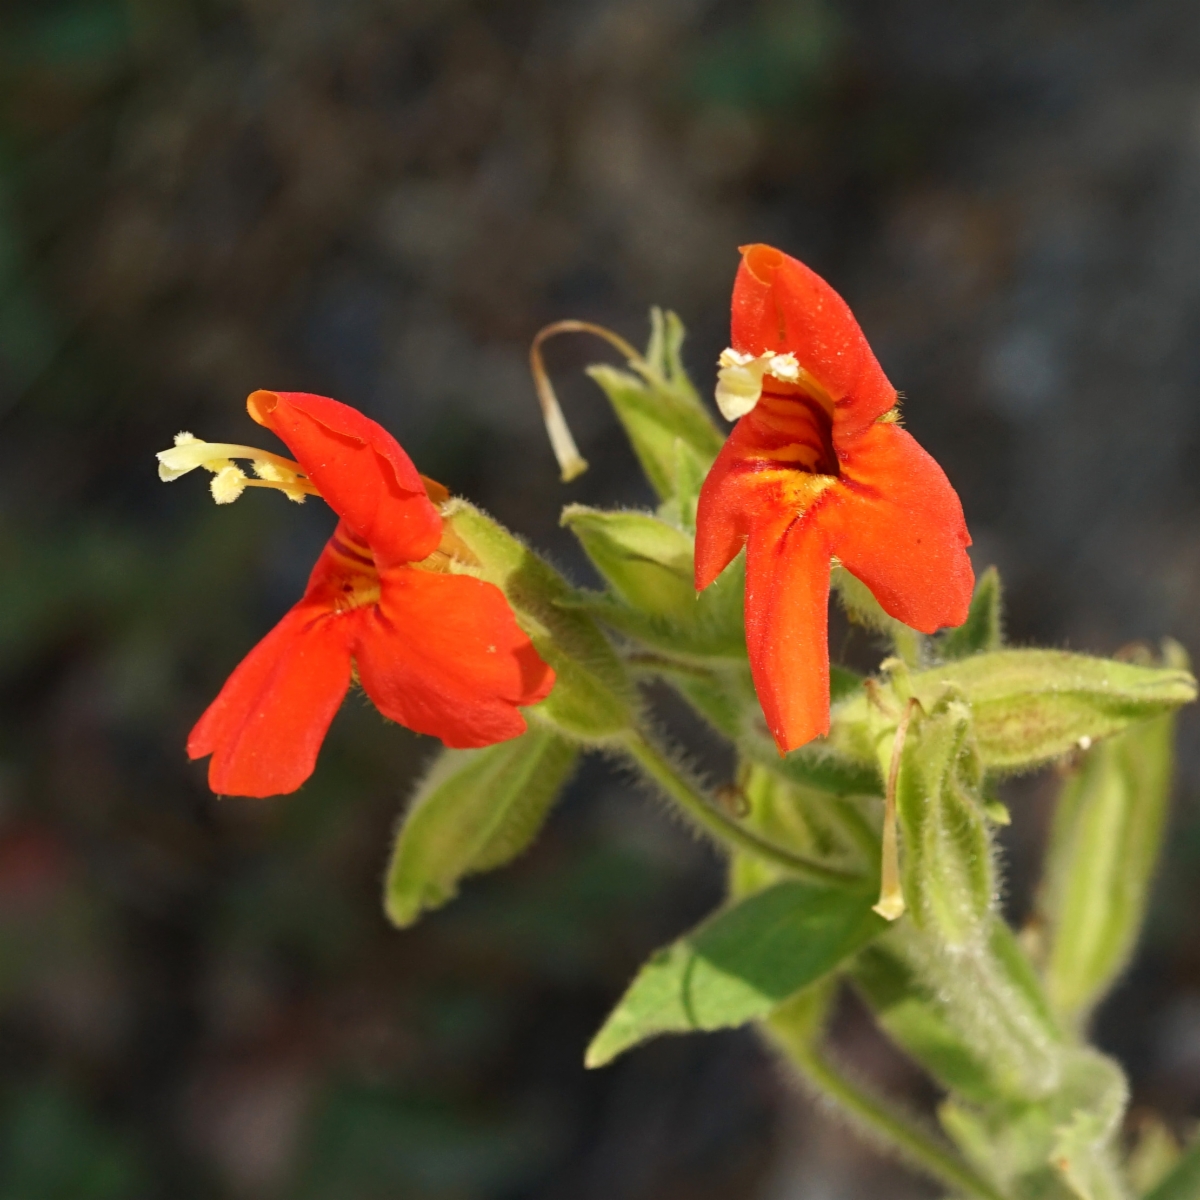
pixel 229 482
pixel 740 379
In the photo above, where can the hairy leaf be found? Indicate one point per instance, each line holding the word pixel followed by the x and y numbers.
pixel 475 810
pixel 1107 834
pixel 740 964
pixel 983 630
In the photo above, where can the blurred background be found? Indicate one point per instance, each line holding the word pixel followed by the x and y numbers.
pixel 382 200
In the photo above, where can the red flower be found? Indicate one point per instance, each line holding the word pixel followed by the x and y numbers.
pixel 440 653
pixel 816 468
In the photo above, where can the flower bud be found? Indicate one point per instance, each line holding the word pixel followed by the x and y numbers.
pixel 947 869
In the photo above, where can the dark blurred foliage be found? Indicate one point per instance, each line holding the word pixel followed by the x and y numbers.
pixel 383 200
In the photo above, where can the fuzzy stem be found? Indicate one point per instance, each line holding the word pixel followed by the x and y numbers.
pixel 659 768
pixel 915 1144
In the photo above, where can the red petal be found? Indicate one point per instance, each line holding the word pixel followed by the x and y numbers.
pixel 359 469
pixel 752 482
pixel 728 498
pixel 444 655
pixel 897 524
pixel 268 722
pixel 781 305
pixel 787 625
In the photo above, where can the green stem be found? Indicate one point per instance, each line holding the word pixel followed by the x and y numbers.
pixel 914 1143
pixel 724 829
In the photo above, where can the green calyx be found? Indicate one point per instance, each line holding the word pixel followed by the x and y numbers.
pixel 949 878
pixel 593 699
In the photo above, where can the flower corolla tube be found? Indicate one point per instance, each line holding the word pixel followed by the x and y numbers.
pixel 818 468
pixel 435 649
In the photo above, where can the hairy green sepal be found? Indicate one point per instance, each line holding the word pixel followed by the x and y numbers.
pixel 475 810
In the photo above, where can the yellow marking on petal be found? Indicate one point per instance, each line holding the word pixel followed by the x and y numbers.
pixel 802 489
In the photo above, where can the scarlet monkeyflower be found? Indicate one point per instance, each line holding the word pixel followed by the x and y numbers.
pixel 438 652
pixel 817 467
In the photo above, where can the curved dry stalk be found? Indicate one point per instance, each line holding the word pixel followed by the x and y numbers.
pixel 570 461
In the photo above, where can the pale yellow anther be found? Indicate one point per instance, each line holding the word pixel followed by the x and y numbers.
pixel 273 474
pixel 229 481
pixel 228 484
pixel 740 379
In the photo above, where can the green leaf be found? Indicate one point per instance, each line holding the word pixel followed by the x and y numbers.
pixel 713 631
pixel 669 428
pixel 739 965
pixel 817 767
pixel 983 629
pixel 647 562
pixel 1107 834
pixel 475 810
pixel 649 565
pixel 1028 706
